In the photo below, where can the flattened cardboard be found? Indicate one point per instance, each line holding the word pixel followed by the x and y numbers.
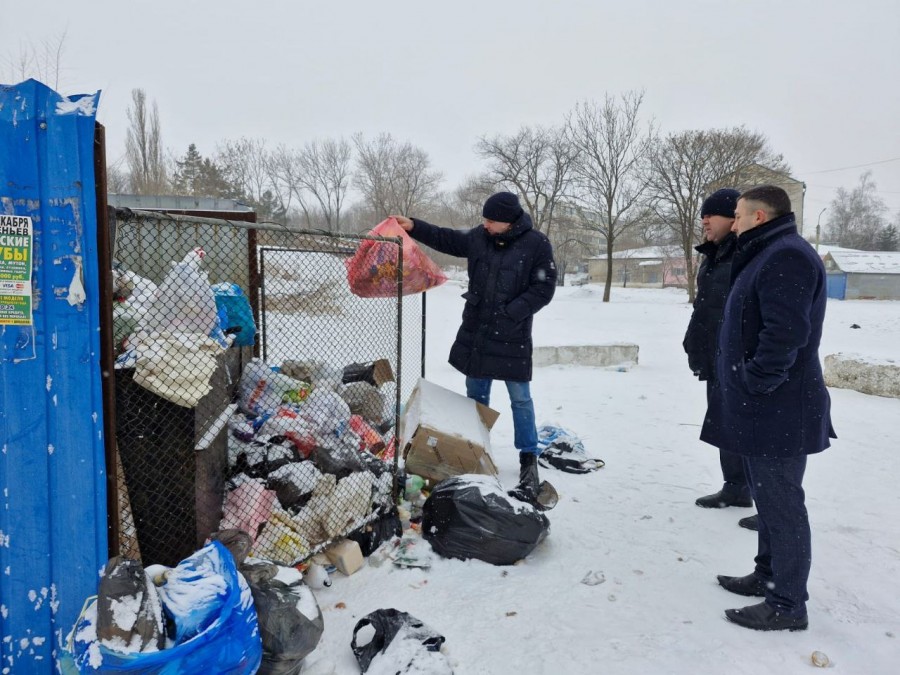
pixel 382 372
pixel 375 373
pixel 445 434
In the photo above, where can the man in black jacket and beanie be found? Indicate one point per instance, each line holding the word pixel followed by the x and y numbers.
pixel 512 275
pixel 713 280
pixel 774 409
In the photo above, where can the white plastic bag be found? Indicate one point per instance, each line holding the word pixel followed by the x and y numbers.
pixel 261 390
pixel 184 301
pixel 176 366
pixel 327 411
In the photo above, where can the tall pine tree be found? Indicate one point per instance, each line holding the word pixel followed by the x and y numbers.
pixel 199 176
pixel 187 171
pixel 888 238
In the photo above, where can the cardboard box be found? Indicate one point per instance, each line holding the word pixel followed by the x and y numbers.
pixel 446 434
pixel 346 556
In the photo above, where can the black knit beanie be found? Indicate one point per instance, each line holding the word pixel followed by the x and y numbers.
pixel 720 203
pixel 502 207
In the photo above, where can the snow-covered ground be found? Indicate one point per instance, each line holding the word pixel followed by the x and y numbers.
pixel 634 523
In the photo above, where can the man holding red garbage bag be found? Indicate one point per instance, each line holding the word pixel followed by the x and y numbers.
pixel 512 275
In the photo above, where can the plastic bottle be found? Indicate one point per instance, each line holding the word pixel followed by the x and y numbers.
pixel 403 514
pixel 413 486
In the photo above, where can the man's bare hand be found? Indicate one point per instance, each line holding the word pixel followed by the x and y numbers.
pixel 404 222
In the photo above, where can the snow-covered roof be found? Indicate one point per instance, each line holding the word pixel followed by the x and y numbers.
pixel 823 249
pixel 644 253
pixel 867 262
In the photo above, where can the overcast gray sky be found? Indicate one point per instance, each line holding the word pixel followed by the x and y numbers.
pixel 821 78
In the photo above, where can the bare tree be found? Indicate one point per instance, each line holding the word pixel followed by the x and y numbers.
pixel 41 61
pixel 283 168
pixel 537 163
pixel 857 216
pixel 143 147
pixel 687 166
pixel 394 177
pixel 571 246
pixel 319 174
pixel 117 180
pixel 249 167
pixel 612 144
pixel 467 200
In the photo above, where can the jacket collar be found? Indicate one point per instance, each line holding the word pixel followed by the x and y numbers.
pixel 517 229
pixel 767 231
pixel 753 241
pixel 717 251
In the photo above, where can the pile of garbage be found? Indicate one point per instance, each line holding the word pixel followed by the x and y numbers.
pixel 308 460
pixel 172 334
pixel 215 612
pixel 220 611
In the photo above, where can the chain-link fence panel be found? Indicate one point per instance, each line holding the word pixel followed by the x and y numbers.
pixel 253 389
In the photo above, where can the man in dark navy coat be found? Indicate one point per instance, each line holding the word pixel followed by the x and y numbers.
pixel 774 408
pixel 512 275
pixel 713 281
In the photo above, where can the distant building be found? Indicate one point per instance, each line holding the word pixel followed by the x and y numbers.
pixel 646 267
pixel 756 174
pixel 825 249
pixel 213 207
pixel 863 275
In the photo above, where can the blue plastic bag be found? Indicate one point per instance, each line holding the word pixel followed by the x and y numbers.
pixel 216 625
pixel 562 449
pixel 234 305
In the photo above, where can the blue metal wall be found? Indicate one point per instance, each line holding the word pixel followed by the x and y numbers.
pixel 53 499
pixel 836 285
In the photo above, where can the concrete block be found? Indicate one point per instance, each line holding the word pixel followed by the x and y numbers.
pixel 601 356
pixel 851 371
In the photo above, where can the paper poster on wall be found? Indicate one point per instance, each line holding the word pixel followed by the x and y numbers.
pixel 15 270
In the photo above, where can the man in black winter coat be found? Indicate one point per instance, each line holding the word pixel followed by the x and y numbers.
pixel 713 280
pixel 774 409
pixel 512 275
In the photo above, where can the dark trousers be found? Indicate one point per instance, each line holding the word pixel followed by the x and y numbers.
pixel 785 548
pixel 733 474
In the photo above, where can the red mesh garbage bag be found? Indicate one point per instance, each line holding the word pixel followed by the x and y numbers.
pixel 372 271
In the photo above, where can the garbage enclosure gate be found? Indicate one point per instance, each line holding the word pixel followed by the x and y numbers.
pixel 273 410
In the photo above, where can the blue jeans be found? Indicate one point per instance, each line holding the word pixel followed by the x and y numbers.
pixel 526 438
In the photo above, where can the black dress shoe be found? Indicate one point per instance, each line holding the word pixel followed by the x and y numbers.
pixel 765 617
pixel 751 585
pixel 722 499
pixel 750 522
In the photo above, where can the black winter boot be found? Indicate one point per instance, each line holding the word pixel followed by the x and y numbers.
pixel 529 486
pixel 722 499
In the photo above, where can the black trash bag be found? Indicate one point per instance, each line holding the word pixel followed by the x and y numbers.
pixel 257 571
pixel 392 627
pixel 470 516
pixel 288 633
pixel 236 541
pixel 359 372
pixel 125 582
pixel 375 465
pixel 294 484
pixel 263 457
pixel 340 462
pixel 372 535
